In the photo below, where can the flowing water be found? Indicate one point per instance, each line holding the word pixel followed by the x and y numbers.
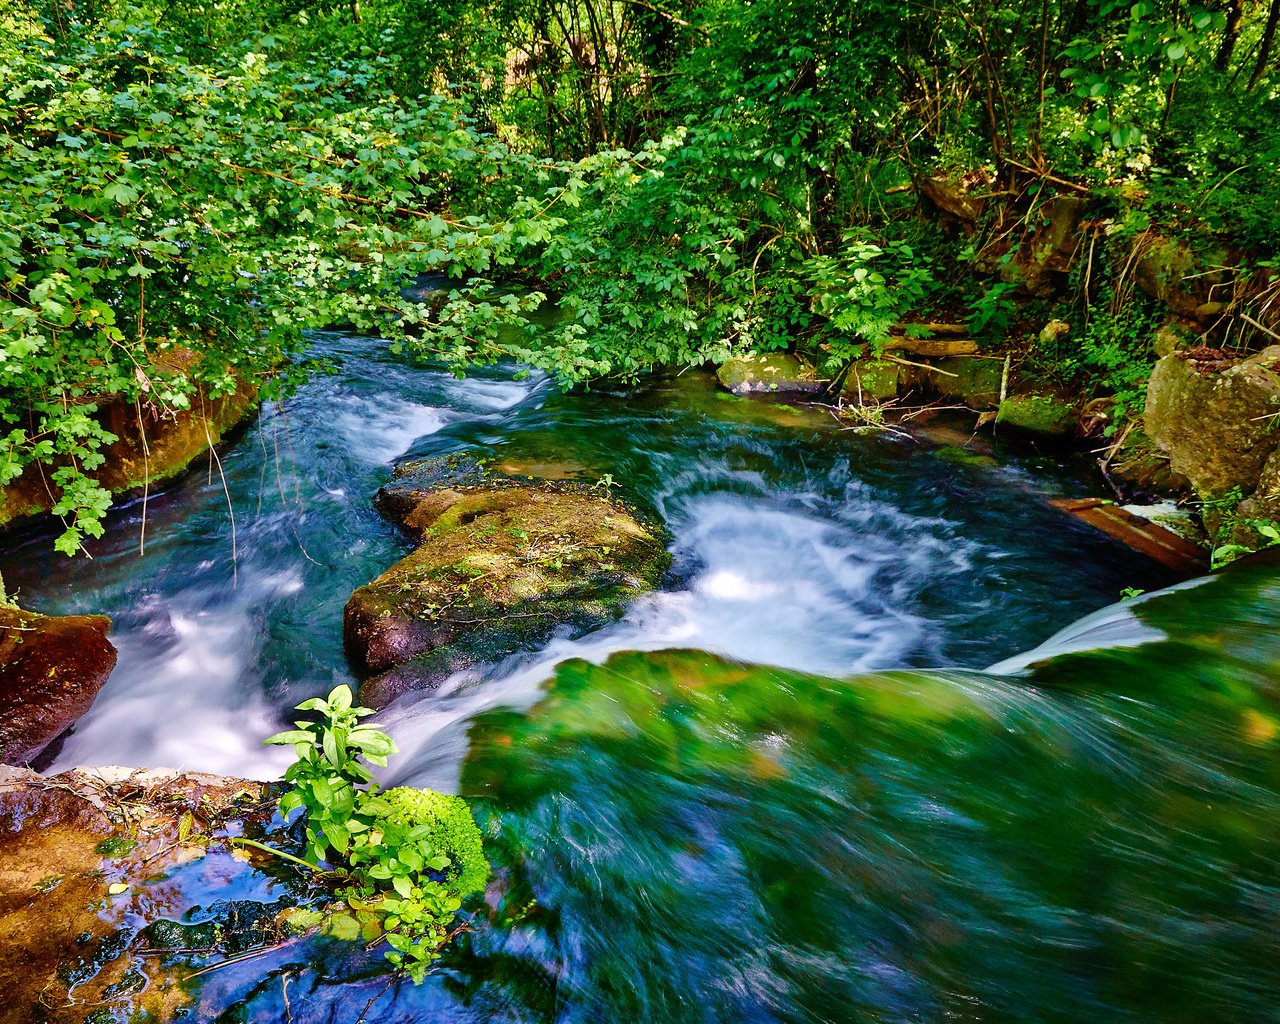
pixel 875 828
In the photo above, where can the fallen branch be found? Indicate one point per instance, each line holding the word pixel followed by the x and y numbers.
pixel 932 348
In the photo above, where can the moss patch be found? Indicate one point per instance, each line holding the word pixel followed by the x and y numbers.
pixel 1036 415
pixel 874 380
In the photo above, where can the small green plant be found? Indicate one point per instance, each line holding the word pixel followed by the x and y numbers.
pixel 1224 554
pixel 404 859
pixel 1129 593
pixel 993 310
pixel 606 483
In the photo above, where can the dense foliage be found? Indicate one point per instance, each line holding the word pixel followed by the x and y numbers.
pixel 188 187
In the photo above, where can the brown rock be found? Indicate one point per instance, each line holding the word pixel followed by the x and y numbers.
pixel 69 941
pixel 502 564
pixel 151 450
pixel 1218 427
pixel 1161 272
pixel 51 668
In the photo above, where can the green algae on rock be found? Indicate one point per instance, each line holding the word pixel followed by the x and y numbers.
pixel 1037 416
pixel 502 563
pixel 874 380
pixel 51 668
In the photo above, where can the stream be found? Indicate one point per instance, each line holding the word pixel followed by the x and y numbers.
pixel 902 818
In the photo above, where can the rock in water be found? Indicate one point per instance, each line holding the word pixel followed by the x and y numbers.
pixel 502 564
pixel 1036 416
pixel 51 668
pixel 775 373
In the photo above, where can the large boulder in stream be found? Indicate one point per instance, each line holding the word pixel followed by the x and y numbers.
pixel 502 564
pixel 1216 417
pixel 51 668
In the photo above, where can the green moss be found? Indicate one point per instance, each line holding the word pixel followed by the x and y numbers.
pixel 975 380
pixel 450 829
pixel 1036 414
pixel 875 379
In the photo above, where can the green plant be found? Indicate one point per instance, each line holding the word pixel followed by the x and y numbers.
pixel 993 310
pixel 1224 554
pixel 328 769
pixel 1111 354
pixel 1129 593
pixel 406 858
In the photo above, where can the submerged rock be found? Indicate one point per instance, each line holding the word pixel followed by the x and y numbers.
pixel 502 564
pixel 774 373
pixel 51 668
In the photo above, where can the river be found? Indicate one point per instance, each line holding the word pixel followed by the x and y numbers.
pixel 874 827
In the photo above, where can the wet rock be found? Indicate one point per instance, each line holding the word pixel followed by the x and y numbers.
pixel 773 373
pixel 502 564
pixel 872 381
pixel 88 860
pixel 1218 426
pixel 1145 469
pixel 51 668
pixel 152 448
pixel 1037 416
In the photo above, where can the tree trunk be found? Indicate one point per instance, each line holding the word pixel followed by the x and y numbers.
pixel 1235 11
pixel 1264 48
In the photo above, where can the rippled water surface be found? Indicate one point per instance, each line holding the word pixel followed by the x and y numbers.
pixel 873 829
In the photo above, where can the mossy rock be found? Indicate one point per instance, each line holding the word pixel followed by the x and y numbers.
pixel 872 380
pixel 151 450
pixel 772 373
pixel 974 380
pixel 502 564
pixel 1036 416
pixel 51 669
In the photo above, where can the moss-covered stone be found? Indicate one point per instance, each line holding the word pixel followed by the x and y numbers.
pixel 973 380
pixel 1216 424
pixel 773 373
pixel 1036 415
pixel 872 380
pixel 502 564
pixel 151 450
pixel 51 668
